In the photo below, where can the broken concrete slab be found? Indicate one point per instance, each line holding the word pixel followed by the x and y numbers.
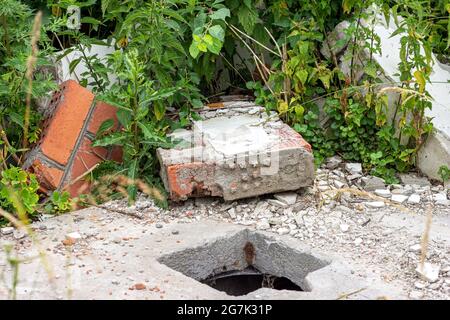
pixel 64 154
pixel 158 261
pixel 372 183
pixel 286 197
pixel 236 153
pixel 413 179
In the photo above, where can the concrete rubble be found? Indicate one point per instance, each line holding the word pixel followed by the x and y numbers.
pixel 115 255
pixel 236 152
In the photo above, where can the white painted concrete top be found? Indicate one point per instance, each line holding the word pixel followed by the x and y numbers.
pixel 239 134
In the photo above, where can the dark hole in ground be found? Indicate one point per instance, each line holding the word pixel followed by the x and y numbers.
pixel 241 282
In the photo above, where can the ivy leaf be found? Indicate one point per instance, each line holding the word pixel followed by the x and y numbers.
pixel 208 39
pixel 302 76
pixel 193 50
pixel 220 14
pixel 282 106
pixel 299 110
pixel 216 46
pixel 217 32
pixel 202 47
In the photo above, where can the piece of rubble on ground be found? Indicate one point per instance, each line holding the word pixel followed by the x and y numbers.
pixel 64 154
pixel 237 151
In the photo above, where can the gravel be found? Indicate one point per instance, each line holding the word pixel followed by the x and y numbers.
pixel 379 240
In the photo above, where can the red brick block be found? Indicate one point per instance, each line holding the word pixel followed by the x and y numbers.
pixel 102 112
pixel 64 127
pixel 64 156
pixel 49 177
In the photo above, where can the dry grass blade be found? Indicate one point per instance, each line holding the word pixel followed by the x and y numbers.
pixel 346 295
pixel 369 195
pixel 31 64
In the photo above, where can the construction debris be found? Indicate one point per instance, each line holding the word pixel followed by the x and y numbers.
pixel 236 152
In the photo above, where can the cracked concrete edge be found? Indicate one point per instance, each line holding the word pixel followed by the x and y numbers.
pixel 331 281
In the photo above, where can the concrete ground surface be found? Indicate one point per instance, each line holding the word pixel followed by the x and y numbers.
pixel 373 246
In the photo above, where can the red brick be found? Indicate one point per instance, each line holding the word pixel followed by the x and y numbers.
pixel 86 158
pixel 182 184
pixel 48 177
pixel 65 125
pixel 117 154
pixel 102 112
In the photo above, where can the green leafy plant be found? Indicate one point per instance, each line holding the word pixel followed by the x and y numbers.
pixel 15 51
pixel 444 173
pixel 18 190
pixel 59 202
pixel 139 114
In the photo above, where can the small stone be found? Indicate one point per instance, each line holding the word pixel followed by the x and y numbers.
pixel 416 295
pixel 68 242
pixel 404 192
pixel 443 202
pixel 375 204
pixel 353 168
pixel 372 183
pixel 18 234
pixel 158 225
pixel 415 248
pixel 115 282
pixel 420 285
pixel 275 221
pixel 117 240
pixel 232 213
pixel 333 162
pixel 139 286
pixel 288 198
pixel 399 198
pixel 338 184
pixel 434 286
pixel 414 199
pixel 408 178
pixel 264 225
pixel 383 193
pixel 283 231
pixel 278 203
pixel 358 241
pixel 7 230
pixel 439 196
pixel 429 272
pixel 344 227
pixel 73 236
pixel 353 177
pixel 175 232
